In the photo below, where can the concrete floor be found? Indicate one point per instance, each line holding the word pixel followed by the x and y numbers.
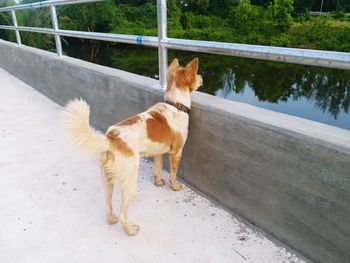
pixel 51 205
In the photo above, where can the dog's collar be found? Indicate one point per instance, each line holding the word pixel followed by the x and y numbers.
pixel 179 106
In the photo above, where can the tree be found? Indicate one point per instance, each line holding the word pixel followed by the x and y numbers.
pixel 98 17
pixel 246 17
pixel 281 14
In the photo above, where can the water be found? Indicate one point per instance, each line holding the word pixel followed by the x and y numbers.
pixel 313 93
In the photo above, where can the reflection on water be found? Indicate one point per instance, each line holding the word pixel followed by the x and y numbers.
pixel 313 93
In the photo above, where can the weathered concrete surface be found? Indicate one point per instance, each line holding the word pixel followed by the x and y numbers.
pixel 287 175
pixel 52 202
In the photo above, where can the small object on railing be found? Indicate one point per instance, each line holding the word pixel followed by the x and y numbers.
pixel 139 40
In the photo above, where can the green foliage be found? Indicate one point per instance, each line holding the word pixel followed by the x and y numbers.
pixel 281 14
pixel 251 24
pixel 200 34
pixel 320 34
pixel 265 22
pixel 280 40
pixel 191 21
pixel 174 14
pixel 141 20
pixel 195 6
pixel 35 18
pixel 246 17
pixel 6 19
pixel 221 8
pixel 95 17
pixel 343 40
pixel 339 14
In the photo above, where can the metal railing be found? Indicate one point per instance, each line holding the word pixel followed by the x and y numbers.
pixel 329 59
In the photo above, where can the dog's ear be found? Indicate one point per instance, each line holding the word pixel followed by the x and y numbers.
pixel 192 67
pixel 174 64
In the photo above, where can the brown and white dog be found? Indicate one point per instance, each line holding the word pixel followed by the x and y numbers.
pixel 161 129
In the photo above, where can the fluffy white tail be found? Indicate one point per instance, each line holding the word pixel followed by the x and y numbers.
pixel 76 120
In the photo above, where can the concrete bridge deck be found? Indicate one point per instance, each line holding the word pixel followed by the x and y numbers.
pixel 51 205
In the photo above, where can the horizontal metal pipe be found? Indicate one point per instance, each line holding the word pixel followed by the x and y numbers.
pixel 119 38
pixel 329 59
pixel 7 27
pixel 29 29
pixel 46 4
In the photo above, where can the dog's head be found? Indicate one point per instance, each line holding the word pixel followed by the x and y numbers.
pixel 184 79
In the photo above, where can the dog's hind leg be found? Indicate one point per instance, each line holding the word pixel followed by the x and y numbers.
pixel 128 192
pixel 158 165
pixel 107 181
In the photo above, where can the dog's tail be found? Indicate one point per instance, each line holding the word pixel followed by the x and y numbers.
pixel 76 120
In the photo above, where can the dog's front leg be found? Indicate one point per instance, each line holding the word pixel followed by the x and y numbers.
pixel 158 165
pixel 174 164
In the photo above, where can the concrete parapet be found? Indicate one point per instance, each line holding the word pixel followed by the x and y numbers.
pixel 287 175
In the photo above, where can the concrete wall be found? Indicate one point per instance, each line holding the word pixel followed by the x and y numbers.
pixel 287 175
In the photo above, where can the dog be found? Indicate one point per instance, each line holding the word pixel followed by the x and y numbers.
pixel 161 129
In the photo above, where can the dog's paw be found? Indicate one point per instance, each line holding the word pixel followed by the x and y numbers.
pixel 159 182
pixel 176 186
pixel 111 219
pixel 133 230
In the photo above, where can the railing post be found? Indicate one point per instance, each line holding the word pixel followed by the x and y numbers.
pixel 162 35
pixel 14 20
pixel 55 28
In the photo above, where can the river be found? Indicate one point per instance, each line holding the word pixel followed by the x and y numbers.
pixel 314 93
